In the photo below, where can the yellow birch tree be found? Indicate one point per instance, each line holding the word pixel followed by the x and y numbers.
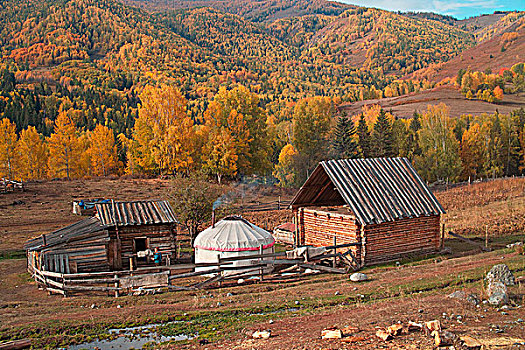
pixel 64 148
pixel 102 151
pixel 33 154
pixel 8 152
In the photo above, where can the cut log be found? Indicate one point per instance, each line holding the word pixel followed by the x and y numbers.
pixel 384 335
pixel 331 334
pixel 443 338
pixel 395 329
pixel 434 325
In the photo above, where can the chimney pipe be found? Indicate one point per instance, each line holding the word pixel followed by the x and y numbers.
pixel 213 218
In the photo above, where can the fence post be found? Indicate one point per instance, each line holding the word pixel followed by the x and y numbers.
pixel 279 204
pixel 116 285
pixel 335 251
pixel 260 262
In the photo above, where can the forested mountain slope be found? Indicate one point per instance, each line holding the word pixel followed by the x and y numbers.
pixel 99 54
pixel 501 45
pixel 253 10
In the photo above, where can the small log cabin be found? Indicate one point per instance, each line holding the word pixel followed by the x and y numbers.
pixel 106 242
pixel 381 204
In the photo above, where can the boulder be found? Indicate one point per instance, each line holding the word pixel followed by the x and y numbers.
pixel 501 273
pixel 358 277
pixel 497 293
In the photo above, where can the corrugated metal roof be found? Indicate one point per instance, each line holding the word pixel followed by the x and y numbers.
pixel 376 190
pixel 77 231
pixel 135 213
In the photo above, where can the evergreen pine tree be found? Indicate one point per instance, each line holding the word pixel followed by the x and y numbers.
pixel 343 145
pixel 382 138
pixel 363 137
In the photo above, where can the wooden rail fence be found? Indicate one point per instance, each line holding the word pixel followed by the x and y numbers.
pixel 193 276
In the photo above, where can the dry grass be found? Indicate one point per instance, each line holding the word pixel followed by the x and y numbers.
pixel 496 206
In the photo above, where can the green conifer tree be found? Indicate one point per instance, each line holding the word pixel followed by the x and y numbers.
pixel 363 137
pixel 343 144
pixel 382 138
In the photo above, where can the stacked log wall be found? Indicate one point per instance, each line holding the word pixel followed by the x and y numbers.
pixel 158 236
pixel 318 228
pixel 391 240
pixel 86 255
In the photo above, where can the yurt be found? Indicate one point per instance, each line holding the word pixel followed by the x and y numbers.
pixel 232 236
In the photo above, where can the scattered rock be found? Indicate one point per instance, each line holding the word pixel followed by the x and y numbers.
pixel 229 294
pixel 337 293
pixel 297 302
pixel 517 244
pixel 497 293
pixel 240 281
pixel 470 342
pixel 395 329
pixel 473 299
pixel 270 322
pixel 501 273
pixel 331 334
pixel 93 306
pixel 442 338
pixel 118 306
pixel 261 335
pixel 358 277
pixel 459 294
pixel 384 335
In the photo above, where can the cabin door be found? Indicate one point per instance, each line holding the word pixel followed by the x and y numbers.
pixel 140 245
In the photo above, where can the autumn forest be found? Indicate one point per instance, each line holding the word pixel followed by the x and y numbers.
pixel 96 88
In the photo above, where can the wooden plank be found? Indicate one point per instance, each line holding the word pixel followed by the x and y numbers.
pixel 16 344
pixel 56 291
pixel 208 281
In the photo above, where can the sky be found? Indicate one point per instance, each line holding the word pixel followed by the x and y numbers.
pixel 460 8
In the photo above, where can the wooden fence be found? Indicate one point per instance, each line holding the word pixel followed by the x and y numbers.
pixel 187 277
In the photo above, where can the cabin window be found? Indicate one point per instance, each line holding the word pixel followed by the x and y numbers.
pixel 140 245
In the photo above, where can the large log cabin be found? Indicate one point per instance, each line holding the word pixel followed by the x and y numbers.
pixel 110 241
pixel 380 203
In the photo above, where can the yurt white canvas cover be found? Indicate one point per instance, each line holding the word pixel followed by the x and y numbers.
pixel 232 236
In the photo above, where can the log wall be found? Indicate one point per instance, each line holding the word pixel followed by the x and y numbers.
pixel 158 236
pixel 318 228
pixel 392 240
pixel 382 242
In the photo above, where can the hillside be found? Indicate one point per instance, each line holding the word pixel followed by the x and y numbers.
pixel 404 106
pixel 257 11
pixel 503 46
pixel 100 54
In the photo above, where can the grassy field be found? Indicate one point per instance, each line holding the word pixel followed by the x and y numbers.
pixel 299 309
